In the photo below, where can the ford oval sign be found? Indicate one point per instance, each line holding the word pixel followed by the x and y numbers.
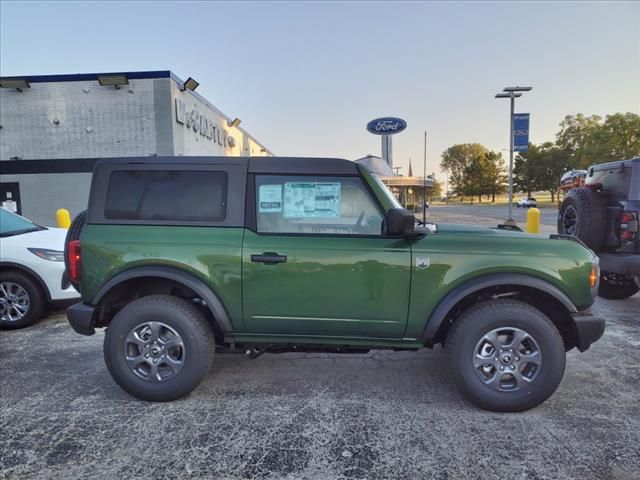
pixel 386 126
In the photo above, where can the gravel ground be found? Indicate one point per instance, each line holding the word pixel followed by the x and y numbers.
pixel 382 415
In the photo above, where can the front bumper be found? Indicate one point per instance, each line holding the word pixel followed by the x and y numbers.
pixel 80 316
pixel 589 328
pixel 620 263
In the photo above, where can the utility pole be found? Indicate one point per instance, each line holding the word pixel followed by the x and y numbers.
pixel 511 93
pixel 424 181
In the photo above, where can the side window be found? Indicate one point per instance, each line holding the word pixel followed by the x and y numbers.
pixel 315 205
pixel 167 195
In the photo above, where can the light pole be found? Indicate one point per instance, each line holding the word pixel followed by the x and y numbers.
pixel 511 93
pixel 424 180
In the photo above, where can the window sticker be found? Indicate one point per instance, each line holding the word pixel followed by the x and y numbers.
pixel 312 200
pixel 270 198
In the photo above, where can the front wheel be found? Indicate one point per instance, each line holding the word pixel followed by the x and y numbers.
pixel 617 287
pixel 505 355
pixel 159 348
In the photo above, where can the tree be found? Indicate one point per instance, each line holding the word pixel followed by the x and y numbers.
pixel 524 170
pixel 553 163
pixel 476 177
pixel 617 139
pixel 456 159
pixel 576 137
pixel 436 192
pixel 540 168
pixel 496 177
pixel 589 140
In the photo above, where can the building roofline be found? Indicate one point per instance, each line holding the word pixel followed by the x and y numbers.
pixel 146 75
pixel 83 77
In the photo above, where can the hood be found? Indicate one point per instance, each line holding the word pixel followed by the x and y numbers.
pixel 51 238
pixel 459 229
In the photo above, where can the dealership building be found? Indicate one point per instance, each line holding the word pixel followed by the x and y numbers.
pixel 53 128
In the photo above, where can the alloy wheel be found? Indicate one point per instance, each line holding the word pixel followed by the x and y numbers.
pixel 154 351
pixel 570 220
pixel 507 359
pixel 14 302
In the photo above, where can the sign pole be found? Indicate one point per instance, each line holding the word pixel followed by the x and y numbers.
pixel 387 152
pixel 510 220
pixel 424 181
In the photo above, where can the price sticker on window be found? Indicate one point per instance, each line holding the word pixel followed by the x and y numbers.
pixel 270 198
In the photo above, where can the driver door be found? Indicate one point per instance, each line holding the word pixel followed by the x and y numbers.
pixel 316 262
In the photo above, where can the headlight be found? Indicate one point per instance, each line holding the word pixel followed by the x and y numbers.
pixel 46 254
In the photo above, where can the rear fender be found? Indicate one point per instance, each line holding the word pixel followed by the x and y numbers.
pixel 190 281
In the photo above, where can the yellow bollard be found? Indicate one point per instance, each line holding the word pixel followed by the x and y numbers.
pixel 533 220
pixel 63 218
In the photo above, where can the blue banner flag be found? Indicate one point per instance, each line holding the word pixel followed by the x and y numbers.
pixel 520 132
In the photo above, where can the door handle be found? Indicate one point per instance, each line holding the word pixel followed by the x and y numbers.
pixel 269 258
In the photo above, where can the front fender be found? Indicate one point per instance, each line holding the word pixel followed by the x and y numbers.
pixel 467 288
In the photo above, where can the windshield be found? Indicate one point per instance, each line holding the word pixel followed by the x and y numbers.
pixel 12 224
pixel 394 201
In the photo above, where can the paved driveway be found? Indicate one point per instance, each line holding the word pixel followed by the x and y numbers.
pixel 490 215
pixel 383 415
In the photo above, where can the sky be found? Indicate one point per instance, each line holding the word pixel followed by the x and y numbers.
pixel 306 77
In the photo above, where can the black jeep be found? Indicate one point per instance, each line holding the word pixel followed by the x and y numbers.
pixel 604 214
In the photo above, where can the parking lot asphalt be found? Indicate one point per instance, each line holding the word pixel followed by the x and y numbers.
pixel 490 215
pixel 382 415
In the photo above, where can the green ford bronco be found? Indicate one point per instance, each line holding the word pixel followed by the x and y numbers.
pixel 182 257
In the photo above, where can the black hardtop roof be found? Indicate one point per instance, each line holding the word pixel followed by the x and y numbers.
pixel 284 165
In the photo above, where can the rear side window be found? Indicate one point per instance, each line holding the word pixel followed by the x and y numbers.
pixel 167 195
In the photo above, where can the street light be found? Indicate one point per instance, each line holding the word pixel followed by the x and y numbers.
pixel 190 84
pixel 18 83
pixel 113 81
pixel 511 93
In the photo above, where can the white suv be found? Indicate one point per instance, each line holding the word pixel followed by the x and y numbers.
pixel 31 270
pixel 527 202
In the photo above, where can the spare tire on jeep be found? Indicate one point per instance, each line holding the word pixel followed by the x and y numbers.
pixel 75 229
pixel 583 214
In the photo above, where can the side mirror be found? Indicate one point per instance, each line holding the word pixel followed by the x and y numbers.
pixel 401 223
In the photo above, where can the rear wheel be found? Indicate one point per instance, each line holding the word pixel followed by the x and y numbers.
pixel 505 355
pixel 22 301
pixel 617 287
pixel 159 348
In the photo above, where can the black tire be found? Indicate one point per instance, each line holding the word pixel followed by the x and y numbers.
pixel 582 213
pixel 617 287
pixel 196 355
pixel 11 282
pixel 486 317
pixel 74 232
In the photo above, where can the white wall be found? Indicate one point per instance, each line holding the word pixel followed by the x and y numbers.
pixel 198 128
pixel 43 193
pixel 78 120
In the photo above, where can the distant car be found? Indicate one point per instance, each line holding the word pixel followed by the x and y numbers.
pixel 31 270
pixel 527 202
pixel 572 179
